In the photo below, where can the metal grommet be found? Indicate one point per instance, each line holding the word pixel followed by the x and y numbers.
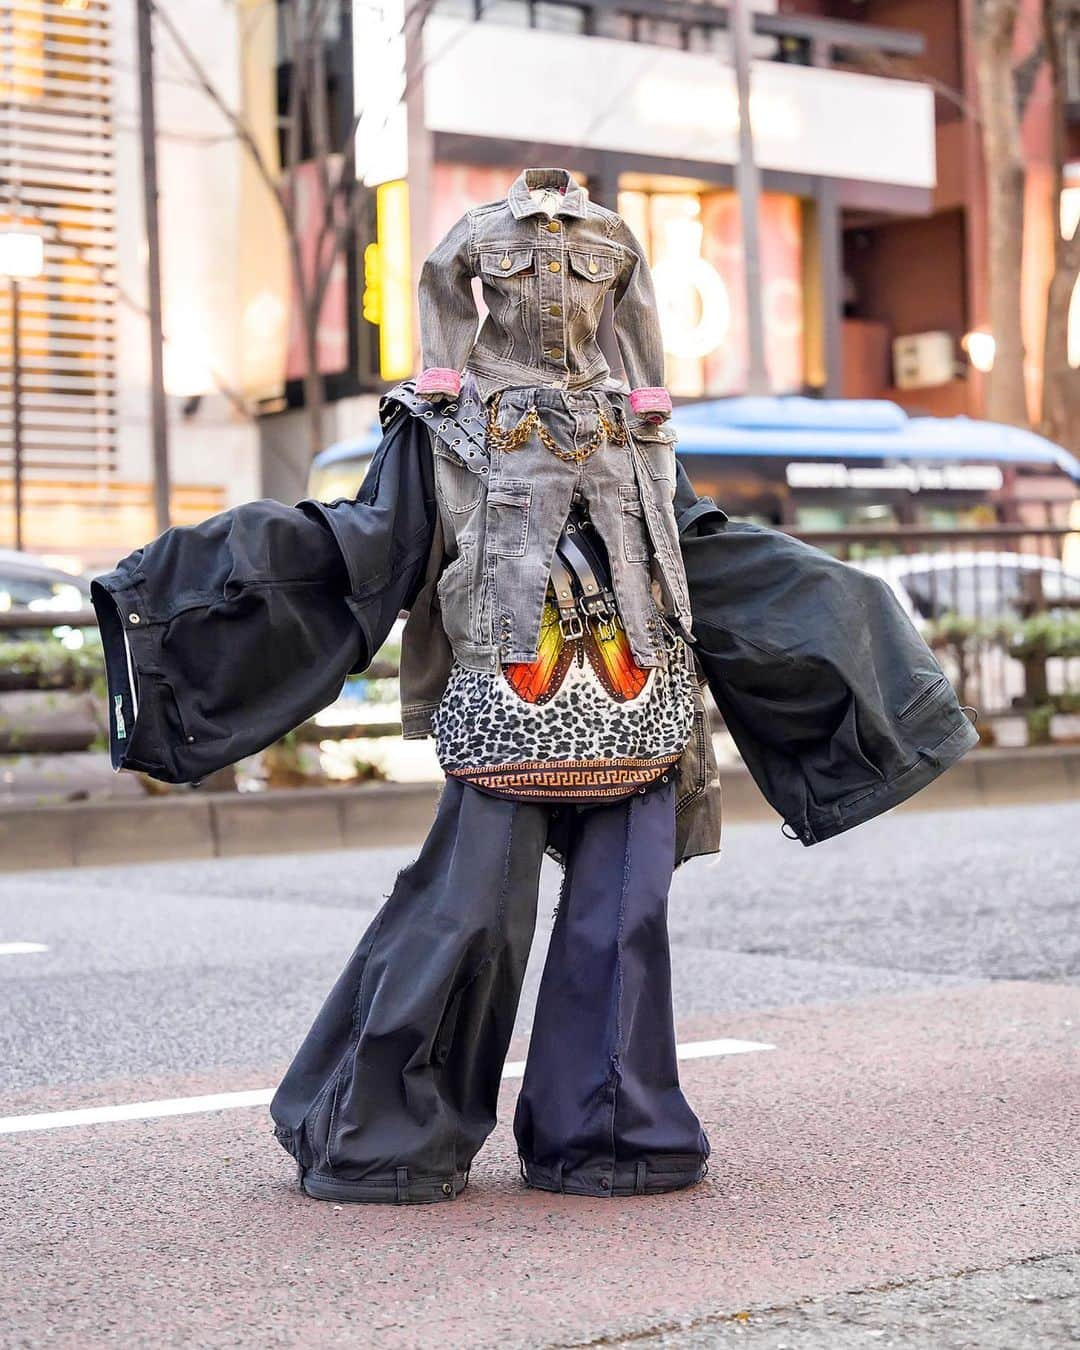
pixel 605 1185
pixel 447 1189
pixel 133 618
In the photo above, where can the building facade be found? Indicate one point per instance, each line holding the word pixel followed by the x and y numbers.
pixel 71 172
pixel 643 109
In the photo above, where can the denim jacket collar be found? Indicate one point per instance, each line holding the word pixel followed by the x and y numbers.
pixel 521 204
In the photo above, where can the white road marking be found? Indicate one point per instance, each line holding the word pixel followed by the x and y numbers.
pixel 101 1115
pixel 228 1101
pixel 21 948
pixel 515 1068
pixel 707 1049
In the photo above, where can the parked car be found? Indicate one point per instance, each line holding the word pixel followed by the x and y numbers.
pixel 972 584
pixel 28 582
pixel 986 587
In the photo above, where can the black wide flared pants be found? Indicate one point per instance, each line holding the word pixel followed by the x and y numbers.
pixel 395 1087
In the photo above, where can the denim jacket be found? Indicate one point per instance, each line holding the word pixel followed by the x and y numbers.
pixel 544 282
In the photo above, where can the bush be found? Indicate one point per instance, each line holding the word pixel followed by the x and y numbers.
pixel 49 665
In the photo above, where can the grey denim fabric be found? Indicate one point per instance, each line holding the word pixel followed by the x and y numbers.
pixel 501 528
pixel 544 282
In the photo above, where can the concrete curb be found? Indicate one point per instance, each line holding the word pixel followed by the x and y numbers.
pixel 223 824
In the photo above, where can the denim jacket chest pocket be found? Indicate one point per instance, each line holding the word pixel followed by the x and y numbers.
pixel 507 275
pixel 592 275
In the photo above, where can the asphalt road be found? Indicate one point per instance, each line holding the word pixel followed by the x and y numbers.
pixel 901 1168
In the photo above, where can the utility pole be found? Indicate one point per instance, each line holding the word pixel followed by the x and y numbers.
pixel 748 186
pixel 16 414
pixel 420 151
pixel 148 133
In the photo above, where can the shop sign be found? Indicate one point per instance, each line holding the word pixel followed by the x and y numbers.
pixel 896 477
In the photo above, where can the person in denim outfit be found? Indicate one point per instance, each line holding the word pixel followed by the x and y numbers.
pixel 396 1087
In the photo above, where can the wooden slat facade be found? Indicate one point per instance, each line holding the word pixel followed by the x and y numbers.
pixel 57 177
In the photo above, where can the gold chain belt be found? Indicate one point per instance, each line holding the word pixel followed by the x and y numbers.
pixel 517 435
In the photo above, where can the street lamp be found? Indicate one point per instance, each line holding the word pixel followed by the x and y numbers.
pixel 22 257
pixel 979 346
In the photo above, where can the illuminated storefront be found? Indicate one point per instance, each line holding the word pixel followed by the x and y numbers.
pixel 693 242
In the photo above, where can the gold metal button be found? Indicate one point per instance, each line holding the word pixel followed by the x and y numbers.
pixel 556 352
pixel 505 262
pixel 593 267
pixel 554 309
pixel 553 225
pixel 554 267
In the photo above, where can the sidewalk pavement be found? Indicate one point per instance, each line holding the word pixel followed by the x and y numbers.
pixel 194 823
pixel 879 1143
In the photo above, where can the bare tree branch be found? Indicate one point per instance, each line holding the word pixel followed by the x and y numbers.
pixel 238 123
pixel 994 29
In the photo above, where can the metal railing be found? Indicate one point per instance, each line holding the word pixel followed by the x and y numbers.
pixel 799 39
pixel 1000 605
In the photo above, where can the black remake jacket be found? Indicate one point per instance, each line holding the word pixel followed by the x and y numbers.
pixel 222 636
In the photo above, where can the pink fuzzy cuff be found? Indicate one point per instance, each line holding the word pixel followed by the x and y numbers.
pixel 655 400
pixel 439 380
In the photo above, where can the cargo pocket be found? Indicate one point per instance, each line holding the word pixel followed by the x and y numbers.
pixel 456 592
pixel 634 532
pixel 459 487
pixel 655 447
pixel 508 502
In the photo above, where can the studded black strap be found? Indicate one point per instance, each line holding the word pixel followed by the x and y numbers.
pixel 459 424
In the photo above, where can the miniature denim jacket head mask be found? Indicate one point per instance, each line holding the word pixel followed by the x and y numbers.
pixel 544 278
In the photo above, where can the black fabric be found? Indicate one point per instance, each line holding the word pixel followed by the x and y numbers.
pixel 245 625
pixel 836 703
pixel 600 1110
pixel 396 1086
